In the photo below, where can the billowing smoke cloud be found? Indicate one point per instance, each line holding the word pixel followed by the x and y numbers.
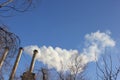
pixel 63 60
pixel 96 44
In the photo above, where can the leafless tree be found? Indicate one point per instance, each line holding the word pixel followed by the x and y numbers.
pixel 42 73
pixel 8 6
pixel 10 40
pixel 76 69
pixel 108 70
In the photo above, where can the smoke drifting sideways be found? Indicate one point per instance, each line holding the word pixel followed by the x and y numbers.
pixel 64 60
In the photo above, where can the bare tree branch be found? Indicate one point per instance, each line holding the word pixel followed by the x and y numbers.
pixel 107 71
pixel 5 3
pixel 10 40
pixel 9 7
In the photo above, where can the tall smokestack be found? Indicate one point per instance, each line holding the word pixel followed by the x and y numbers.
pixel 33 61
pixel 29 75
pixel 16 64
pixel 4 56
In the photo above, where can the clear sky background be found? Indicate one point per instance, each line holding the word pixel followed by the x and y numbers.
pixel 64 23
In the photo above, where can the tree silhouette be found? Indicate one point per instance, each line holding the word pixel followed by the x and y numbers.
pixel 7 7
pixel 12 42
pixel 108 71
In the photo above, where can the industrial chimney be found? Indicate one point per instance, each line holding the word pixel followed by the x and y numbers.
pixel 33 61
pixel 16 64
pixel 29 75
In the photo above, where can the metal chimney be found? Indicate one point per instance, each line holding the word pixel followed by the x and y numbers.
pixel 16 64
pixel 33 61
pixel 4 56
pixel 29 75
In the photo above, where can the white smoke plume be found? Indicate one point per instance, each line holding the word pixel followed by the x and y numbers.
pixel 63 60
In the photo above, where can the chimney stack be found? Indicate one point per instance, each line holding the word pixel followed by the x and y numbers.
pixel 16 64
pixel 33 61
pixel 29 75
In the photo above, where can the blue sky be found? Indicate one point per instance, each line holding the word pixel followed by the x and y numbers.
pixel 64 23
